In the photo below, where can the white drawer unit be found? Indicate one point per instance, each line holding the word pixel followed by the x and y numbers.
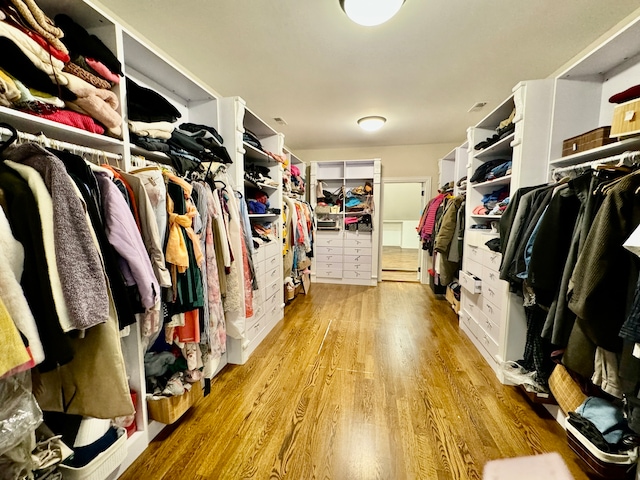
pixel 472 304
pixel 272 301
pixel 357 251
pixel 329 273
pixel 470 283
pixel 356 259
pixel 466 319
pixel 492 312
pixel 271 262
pixel 259 269
pixel 489 344
pixel 274 313
pixel 326 238
pixel 474 253
pixel 359 267
pixel 258 254
pixel 257 315
pixel 357 242
pixel 329 265
pixel 492 293
pixel 272 249
pixel 349 235
pixel 355 274
pixel 272 288
pixel 272 274
pixel 255 328
pixel 329 258
pixel 489 326
pixel 329 250
pixel 473 267
pixel 492 259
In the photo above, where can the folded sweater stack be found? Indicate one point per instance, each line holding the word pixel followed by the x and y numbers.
pixel 56 70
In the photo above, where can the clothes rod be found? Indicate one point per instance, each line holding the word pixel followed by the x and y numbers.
pixel 49 142
pixel 629 158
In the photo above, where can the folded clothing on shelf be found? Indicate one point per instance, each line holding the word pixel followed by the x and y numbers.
pixel 480 174
pixel 80 42
pixel 251 138
pixel 499 171
pixel 146 105
pixel 490 200
pixel 505 128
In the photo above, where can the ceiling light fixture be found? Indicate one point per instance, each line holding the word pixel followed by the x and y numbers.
pixel 370 12
pixel 371 124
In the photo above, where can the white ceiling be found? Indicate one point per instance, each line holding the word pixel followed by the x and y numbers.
pixel 304 61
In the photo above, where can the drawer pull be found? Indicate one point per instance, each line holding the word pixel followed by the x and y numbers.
pixel 358 258
pixel 488 324
pixel 491 292
pixel 486 340
pixel 489 308
pixel 492 276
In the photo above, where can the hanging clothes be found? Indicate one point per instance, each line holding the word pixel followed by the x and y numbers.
pixel 24 219
pixel 79 265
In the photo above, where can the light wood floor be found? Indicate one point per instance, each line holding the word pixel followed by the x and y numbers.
pixel 399 264
pixel 356 383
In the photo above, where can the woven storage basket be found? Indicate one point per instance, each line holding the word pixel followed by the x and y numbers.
pixel 565 390
pixel 168 410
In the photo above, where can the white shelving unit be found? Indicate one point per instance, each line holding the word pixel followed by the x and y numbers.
pixel 268 300
pixel 492 317
pixel 582 91
pixel 200 104
pixel 343 256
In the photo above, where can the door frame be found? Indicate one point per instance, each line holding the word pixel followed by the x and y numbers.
pixel 425 182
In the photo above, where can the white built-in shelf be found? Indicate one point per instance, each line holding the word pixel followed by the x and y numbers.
pixel 258 216
pixel 355 214
pixel 256 125
pixel 500 113
pixel 27 123
pixel 491 183
pixel 597 153
pixel 260 186
pixel 488 217
pixel 149 154
pixel 501 147
pixel 165 72
pixel 255 154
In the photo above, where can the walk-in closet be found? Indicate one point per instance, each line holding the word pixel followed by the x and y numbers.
pixel 299 241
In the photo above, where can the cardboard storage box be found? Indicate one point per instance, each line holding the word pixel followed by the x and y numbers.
pixel 587 141
pixel 168 410
pixel 451 298
pixel 626 119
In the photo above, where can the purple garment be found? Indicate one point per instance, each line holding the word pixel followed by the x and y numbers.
pixel 123 234
pixel 84 285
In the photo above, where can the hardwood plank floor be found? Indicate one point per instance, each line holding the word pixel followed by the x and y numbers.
pixel 402 259
pixel 356 383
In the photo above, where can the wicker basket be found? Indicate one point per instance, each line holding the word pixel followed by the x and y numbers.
pixel 168 410
pixel 586 141
pixel 566 392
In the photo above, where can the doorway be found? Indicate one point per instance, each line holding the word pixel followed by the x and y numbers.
pixel 404 200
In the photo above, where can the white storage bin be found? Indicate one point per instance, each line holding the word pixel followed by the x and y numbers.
pixel 103 465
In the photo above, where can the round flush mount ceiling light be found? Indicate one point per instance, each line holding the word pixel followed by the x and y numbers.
pixel 370 12
pixel 371 124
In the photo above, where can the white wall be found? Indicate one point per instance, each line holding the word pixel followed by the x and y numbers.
pixel 397 160
pixel 402 201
